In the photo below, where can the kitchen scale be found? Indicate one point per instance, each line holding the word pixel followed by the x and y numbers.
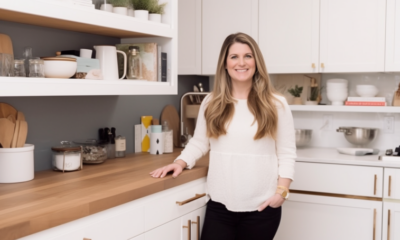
pixel 358 151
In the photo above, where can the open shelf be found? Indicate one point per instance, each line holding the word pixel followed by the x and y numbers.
pixel 81 19
pixel 18 86
pixel 330 108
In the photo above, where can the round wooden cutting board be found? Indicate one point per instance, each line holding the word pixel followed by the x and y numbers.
pixel 7 110
pixel 170 114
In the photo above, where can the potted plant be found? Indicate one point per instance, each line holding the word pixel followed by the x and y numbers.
pixel 107 6
pixel 156 10
pixel 296 92
pixel 120 6
pixel 141 9
pixel 314 96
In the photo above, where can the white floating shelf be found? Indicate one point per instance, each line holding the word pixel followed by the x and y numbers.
pixel 73 18
pixel 330 108
pixel 18 86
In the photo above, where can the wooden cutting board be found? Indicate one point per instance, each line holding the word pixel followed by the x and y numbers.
pixel 6 132
pixel 15 135
pixel 170 114
pixel 7 110
pixel 22 133
pixel 6 44
pixel 20 116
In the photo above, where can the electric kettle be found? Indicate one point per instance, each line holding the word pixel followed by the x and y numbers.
pixel 107 56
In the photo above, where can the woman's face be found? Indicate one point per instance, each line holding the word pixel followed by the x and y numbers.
pixel 240 63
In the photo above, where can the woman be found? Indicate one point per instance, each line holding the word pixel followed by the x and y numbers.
pixel 249 131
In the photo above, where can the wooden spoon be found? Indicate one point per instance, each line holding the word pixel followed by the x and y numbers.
pixel 22 133
pixel 20 116
pixel 15 135
pixel 12 118
pixel 6 132
pixel 7 110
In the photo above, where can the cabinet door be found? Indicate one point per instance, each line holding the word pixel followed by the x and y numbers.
pixel 329 218
pixel 221 18
pixel 392 62
pixel 391 221
pixel 197 218
pixel 169 231
pixel 289 35
pixel 140 237
pixel 391 185
pixel 352 35
pixel 189 37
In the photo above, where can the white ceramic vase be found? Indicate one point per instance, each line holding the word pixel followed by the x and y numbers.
pixel 121 10
pixel 154 17
pixel 142 15
pixel 131 12
pixel 107 7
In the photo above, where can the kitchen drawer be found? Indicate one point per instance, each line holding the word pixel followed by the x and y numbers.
pixel 391 186
pixel 338 179
pixel 164 207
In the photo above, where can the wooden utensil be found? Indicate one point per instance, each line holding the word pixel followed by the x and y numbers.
pixel 6 44
pixel 12 118
pixel 15 135
pixel 22 133
pixel 6 132
pixel 170 114
pixel 7 110
pixel 20 116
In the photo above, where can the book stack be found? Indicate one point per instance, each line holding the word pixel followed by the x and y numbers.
pixel 365 101
pixel 77 3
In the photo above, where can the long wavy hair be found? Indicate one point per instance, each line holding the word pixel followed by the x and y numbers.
pixel 261 100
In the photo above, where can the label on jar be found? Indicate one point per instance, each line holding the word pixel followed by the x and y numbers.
pixel 120 145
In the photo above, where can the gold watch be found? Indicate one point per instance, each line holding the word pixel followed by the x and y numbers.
pixel 283 191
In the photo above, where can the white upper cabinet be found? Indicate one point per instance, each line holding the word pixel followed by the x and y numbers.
pixel 352 35
pixel 392 36
pixel 221 18
pixel 289 35
pixel 189 37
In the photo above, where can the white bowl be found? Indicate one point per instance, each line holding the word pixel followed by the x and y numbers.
pixel 367 92
pixel 337 98
pixel 59 67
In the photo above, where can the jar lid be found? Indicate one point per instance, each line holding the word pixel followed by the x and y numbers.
pixel 66 146
pixel 59 59
pixel 89 142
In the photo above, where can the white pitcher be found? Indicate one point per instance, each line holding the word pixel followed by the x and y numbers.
pixel 107 56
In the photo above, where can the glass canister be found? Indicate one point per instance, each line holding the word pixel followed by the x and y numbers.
pixel 134 64
pixel 66 157
pixel 19 68
pixel 93 151
pixel 36 68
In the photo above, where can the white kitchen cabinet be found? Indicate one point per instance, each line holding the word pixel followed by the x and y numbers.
pixel 289 35
pixel 330 218
pixel 221 18
pixel 197 220
pixel 391 185
pixel 140 237
pixel 189 37
pixel 392 63
pixel 168 231
pixel 391 221
pixel 352 35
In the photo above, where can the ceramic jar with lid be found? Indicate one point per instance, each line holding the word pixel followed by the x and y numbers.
pixel 93 151
pixel 66 157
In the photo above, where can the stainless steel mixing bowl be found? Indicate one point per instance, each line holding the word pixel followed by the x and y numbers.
pixel 358 135
pixel 303 137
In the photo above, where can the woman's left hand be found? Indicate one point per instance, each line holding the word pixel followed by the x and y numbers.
pixel 275 201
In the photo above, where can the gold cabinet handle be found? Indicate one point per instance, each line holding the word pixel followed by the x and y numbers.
pixel 322 65
pixel 198 227
pixel 87 239
pixel 375 178
pixel 197 196
pixel 390 185
pixel 313 65
pixel 388 230
pixel 189 227
pixel 374 231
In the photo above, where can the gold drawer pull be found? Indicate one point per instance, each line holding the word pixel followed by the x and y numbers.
pixel 374 231
pixel 388 231
pixel 375 178
pixel 390 185
pixel 191 199
pixel 322 65
pixel 87 239
pixel 313 65
pixel 189 227
pixel 198 227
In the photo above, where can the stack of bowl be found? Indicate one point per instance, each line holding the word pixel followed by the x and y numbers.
pixel 337 91
pixel 366 90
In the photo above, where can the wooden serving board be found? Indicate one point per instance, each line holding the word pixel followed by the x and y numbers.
pixel 170 114
pixel 6 44
pixel 7 110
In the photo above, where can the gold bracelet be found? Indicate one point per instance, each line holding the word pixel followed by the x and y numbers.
pixel 283 188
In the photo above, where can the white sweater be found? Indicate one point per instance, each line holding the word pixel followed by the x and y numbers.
pixel 243 172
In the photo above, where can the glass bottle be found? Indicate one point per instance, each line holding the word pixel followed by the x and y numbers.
pixel 120 146
pixel 134 64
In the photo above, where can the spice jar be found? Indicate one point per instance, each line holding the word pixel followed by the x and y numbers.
pixel 67 157
pixel 93 151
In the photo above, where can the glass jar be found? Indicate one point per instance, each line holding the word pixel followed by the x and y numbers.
pixel 120 146
pixel 66 157
pixel 134 64
pixel 36 68
pixel 19 68
pixel 93 151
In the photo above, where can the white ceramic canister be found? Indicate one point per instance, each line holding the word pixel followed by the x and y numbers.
pixel 154 17
pixel 156 140
pixel 16 164
pixel 67 157
pixel 107 7
pixel 142 14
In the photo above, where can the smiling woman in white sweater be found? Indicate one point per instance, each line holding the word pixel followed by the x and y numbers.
pixel 248 129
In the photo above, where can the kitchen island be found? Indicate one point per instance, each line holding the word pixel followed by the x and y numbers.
pixel 54 198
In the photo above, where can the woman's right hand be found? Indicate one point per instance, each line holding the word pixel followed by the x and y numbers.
pixel 177 168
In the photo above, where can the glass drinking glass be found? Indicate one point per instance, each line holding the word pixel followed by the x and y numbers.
pixel 27 54
pixel 6 65
pixel 19 68
pixel 36 68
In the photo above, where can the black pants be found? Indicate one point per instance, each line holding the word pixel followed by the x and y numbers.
pixel 222 224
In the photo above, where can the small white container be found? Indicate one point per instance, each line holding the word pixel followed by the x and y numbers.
pixel 121 10
pixel 156 140
pixel 67 157
pixel 154 17
pixel 107 7
pixel 16 164
pixel 131 12
pixel 142 15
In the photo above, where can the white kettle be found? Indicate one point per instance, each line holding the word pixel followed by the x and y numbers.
pixel 107 56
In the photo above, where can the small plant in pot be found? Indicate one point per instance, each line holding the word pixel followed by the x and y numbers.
pixel 156 10
pixel 314 96
pixel 296 92
pixel 141 9
pixel 120 6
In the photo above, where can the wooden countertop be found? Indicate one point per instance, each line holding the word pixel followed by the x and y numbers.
pixel 54 198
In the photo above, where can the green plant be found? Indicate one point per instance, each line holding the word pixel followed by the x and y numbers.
pixel 314 93
pixel 141 4
pixel 157 8
pixel 296 91
pixel 119 3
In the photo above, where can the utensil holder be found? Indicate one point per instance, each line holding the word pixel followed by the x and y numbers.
pixel 16 164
